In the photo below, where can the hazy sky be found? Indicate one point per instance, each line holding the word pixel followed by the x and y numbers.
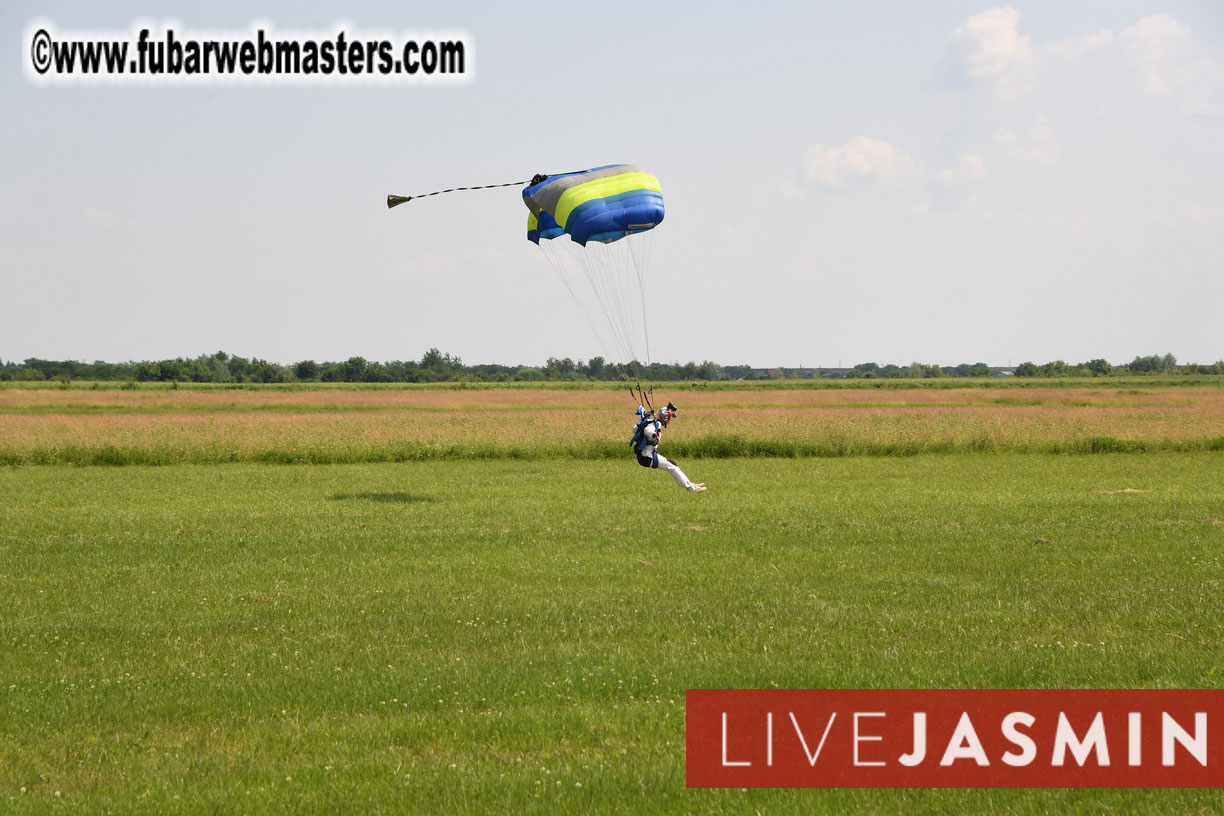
pixel 894 181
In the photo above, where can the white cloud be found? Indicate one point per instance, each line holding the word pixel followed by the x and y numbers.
pixel 860 159
pixel 1040 147
pixel 970 167
pixel 996 52
pixel 990 50
pixel 1170 64
pixel 1081 46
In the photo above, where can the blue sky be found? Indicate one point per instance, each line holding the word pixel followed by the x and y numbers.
pixel 943 182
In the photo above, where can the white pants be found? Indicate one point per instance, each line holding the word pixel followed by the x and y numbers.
pixel 658 460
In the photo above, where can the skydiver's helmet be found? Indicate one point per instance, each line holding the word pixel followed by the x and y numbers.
pixel 667 413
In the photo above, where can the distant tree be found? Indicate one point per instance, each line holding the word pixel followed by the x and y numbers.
pixel 1099 367
pixel 219 368
pixel 375 372
pixel 266 372
pixel 353 369
pixel 436 366
pixel 529 374
pixel 1026 369
pixel 737 372
pixel 1057 368
pixel 244 370
pixel 559 369
pixel 431 359
pixel 306 370
pixel 1144 365
pixel 401 370
pixel 1153 364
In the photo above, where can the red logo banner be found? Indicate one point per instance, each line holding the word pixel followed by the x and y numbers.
pixel 955 738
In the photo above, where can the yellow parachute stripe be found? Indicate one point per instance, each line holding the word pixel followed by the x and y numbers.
pixel 575 196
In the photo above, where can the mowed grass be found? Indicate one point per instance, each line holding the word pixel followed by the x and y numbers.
pixel 510 636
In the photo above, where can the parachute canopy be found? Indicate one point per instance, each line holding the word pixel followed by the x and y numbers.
pixel 609 214
pixel 604 204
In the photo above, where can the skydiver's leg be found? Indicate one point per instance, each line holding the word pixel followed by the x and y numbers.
pixel 674 469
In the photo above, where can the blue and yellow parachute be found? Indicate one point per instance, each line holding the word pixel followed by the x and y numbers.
pixel 609 214
pixel 603 204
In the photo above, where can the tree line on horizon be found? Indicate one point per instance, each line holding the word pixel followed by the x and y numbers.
pixel 436 366
pixel 1099 367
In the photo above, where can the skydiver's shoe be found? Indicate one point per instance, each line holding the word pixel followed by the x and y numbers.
pixel 697 488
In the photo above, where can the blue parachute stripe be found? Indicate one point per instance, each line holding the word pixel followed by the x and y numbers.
pixel 613 200
pixel 630 198
pixel 606 237
pixel 547 229
pixel 601 218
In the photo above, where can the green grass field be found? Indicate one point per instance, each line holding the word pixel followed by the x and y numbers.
pixel 517 636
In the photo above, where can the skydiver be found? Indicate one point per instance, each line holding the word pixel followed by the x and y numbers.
pixel 648 434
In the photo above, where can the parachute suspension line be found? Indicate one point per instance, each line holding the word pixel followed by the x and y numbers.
pixel 611 258
pixel 631 316
pixel 559 266
pixel 599 269
pixel 625 296
pixel 556 258
pixel 635 251
pixel 608 268
pixel 639 249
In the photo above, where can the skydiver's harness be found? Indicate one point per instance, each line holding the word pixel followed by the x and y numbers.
pixel 641 440
pixel 646 419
